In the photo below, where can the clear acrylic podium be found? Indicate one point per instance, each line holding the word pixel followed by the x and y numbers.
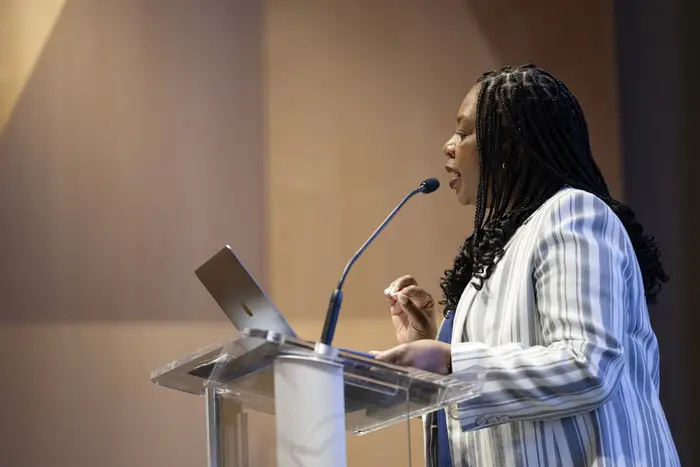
pixel 317 393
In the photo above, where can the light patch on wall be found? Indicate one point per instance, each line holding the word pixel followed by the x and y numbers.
pixel 25 27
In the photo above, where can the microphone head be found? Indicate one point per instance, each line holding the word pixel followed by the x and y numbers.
pixel 429 185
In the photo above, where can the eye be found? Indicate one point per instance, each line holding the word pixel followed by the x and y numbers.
pixel 461 134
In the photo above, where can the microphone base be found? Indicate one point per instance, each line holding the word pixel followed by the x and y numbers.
pixel 332 317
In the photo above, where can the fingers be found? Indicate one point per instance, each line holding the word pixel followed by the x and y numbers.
pixel 418 317
pixel 393 355
pixel 428 354
pixel 399 284
pixel 418 297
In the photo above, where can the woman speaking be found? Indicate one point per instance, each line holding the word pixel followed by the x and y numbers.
pixel 548 295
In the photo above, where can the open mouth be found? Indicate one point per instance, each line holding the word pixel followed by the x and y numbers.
pixel 455 176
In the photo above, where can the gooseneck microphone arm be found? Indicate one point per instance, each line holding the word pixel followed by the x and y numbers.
pixel 427 186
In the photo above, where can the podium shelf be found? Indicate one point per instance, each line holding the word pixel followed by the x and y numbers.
pixel 376 394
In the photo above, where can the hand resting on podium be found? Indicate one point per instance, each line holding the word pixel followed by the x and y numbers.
pixel 425 354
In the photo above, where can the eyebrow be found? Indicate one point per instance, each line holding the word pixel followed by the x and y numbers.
pixel 460 117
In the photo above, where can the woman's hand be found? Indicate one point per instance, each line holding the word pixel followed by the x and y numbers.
pixel 427 354
pixel 412 310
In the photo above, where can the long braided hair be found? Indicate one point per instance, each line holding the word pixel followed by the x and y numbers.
pixel 532 140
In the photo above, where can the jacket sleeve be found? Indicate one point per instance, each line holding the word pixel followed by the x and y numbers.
pixel 578 274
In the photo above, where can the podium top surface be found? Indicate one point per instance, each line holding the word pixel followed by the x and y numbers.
pixel 377 394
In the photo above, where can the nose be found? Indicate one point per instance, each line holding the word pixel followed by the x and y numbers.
pixel 448 148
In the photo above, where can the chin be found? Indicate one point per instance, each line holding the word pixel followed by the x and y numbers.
pixel 465 202
pixel 463 197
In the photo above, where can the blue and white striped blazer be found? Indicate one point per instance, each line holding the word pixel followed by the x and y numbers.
pixel 562 330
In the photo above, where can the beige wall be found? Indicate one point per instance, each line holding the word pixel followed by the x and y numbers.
pixel 132 153
pixel 150 133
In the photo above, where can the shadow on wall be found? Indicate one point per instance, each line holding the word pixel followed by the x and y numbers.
pixel 133 154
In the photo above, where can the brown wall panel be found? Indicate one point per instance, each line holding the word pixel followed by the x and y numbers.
pixel 133 153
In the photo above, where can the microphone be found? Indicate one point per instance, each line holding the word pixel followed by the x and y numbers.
pixel 427 186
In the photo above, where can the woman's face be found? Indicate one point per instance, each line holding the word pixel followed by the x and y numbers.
pixel 462 153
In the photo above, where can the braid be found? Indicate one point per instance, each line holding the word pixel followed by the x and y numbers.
pixel 532 139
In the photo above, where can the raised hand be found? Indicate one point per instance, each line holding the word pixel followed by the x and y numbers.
pixel 412 310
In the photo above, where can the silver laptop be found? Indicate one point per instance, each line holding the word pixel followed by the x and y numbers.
pixel 239 295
